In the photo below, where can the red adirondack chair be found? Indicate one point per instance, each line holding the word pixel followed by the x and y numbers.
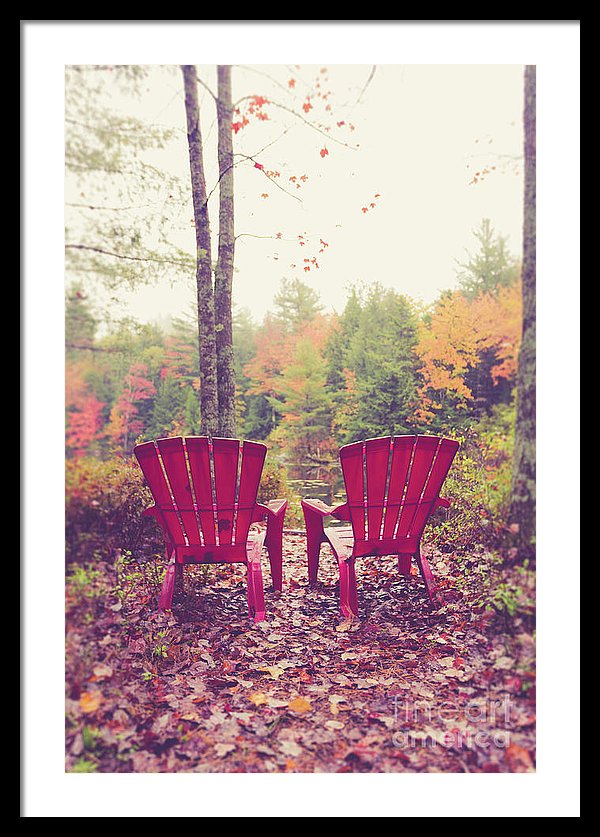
pixel 392 487
pixel 205 512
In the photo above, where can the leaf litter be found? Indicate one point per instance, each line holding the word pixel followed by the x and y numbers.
pixel 401 688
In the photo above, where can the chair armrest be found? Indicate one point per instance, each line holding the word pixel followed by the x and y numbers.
pixel 315 512
pixel 320 508
pixel 317 507
pixel 275 514
pixel 441 502
pixel 276 508
pixel 273 510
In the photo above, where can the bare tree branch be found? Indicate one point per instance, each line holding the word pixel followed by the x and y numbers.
pixel 271 179
pixel 122 256
pixel 109 208
pixel 495 154
pixel 313 125
pixel 303 119
pixel 366 84
pixel 272 237
pixel 92 348
pixel 265 75
pixel 206 87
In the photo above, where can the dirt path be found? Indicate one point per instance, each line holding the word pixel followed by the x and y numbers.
pixel 204 690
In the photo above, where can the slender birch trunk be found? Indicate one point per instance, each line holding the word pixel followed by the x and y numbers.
pixel 209 411
pixel 224 267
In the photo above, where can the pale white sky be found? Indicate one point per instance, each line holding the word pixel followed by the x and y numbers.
pixel 422 131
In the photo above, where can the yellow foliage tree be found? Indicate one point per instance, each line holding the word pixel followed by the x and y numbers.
pixel 452 342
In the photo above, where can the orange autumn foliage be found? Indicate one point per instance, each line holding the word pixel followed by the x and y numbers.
pixel 453 341
pixel 273 352
pixel 276 347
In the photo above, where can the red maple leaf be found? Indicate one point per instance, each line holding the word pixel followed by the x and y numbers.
pixel 324 152
pixel 292 82
pixel 307 106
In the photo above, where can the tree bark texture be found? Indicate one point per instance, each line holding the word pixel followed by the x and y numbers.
pixel 209 412
pixel 224 267
pixel 523 494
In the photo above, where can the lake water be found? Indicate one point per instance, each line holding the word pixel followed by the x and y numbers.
pixel 320 490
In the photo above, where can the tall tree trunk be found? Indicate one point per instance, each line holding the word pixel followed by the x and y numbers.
pixel 209 411
pixel 523 496
pixel 224 268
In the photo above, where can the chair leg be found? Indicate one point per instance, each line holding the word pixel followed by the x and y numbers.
pixel 352 593
pixel 166 594
pixel 256 595
pixel 274 545
pixel 259 594
pixel 404 564
pixel 428 578
pixel 348 597
pixel 276 562
pixel 314 538
pixel 250 591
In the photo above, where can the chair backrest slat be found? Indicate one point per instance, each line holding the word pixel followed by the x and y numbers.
pixel 404 475
pixel 352 461
pixel 212 508
pixel 377 454
pixel 402 447
pixel 199 456
pixel 439 469
pixel 172 451
pixel 150 463
pixel 226 454
pixel 423 455
pixel 253 459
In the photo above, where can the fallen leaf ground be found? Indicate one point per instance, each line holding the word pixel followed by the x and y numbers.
pixel 202 689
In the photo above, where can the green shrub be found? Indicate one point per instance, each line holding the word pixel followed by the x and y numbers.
pixel 274 486
pixel 478 485
pixel 83 765
pixel 104 503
